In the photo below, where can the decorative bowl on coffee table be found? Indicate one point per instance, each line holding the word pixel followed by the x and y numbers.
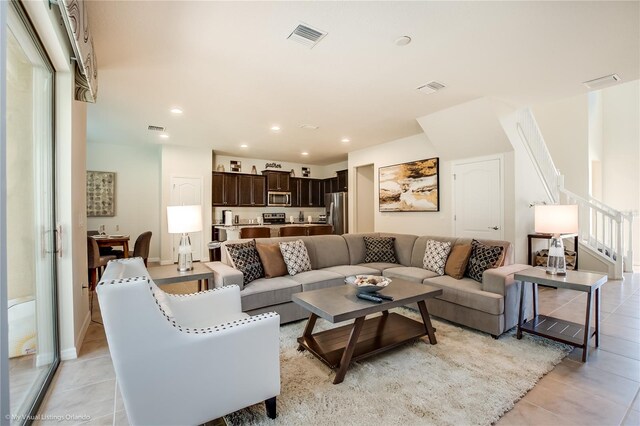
pixel 368 283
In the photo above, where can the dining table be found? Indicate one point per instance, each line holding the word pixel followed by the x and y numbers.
pixel 113 240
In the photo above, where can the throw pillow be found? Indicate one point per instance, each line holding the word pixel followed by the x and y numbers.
pixel 380 249
pixel 245 258
pixel 483 257
pixel 457 261
pixel 272 260
pixel 435 256
pixel 295 256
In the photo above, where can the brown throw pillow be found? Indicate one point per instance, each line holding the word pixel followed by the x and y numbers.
pixel 457 261
pixel 272 260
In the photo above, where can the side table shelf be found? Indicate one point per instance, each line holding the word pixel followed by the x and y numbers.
pixel 557 329
pixel 530 255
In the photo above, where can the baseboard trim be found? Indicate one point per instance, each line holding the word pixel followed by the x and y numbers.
pixel 72 353
pixel 153 259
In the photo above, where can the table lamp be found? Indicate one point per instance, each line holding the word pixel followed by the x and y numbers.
pixel 556 220
pixel 182 220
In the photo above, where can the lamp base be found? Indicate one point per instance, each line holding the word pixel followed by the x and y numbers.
pixel 185 255
pixel 556 262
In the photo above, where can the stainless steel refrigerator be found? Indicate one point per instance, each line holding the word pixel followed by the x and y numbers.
pixel 337 211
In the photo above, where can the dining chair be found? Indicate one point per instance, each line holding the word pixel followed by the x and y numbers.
pixel 293 231
pixel 255 232
pixel 95 262
pixel 141 246
pixel 320 230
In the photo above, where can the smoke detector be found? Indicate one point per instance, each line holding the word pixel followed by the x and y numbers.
pixel 431 87
pixel 599 83
pixel 156 128
pixel 307 35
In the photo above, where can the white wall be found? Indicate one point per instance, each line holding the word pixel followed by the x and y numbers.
pixel 621 152
pixel 364 192
pixel 179 161
pixel 138 178
pixel 412 148
pixel 565 127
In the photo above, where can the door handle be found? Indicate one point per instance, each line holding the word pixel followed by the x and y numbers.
pixel 495 228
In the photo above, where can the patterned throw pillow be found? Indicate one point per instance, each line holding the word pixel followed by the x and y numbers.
pixel 435 256
pixel 245 258
pixel 295 256
pixel 483 257
pixel 380 249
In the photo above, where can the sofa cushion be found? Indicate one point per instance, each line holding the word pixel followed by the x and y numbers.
pixel 403 245
pixel 457 261
pixel 420 246
pixel 268 291
pixel 314 280
pixel 295 256
pixel 409 273
pixel 348 270
pixel 467 292
pixel 507 249
pixel 380 266
pixel 330 250
pixel 272 260
pixel 435 256
pixel 380 249
pixel 356 247
pixel 483 257
pixel 245 258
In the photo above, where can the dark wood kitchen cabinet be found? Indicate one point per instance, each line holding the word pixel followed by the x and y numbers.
pixel 317 193
pixel 277 181
pixel 342 181
pixel 294 187
pixel 304 194
pixel 224 189
pixel 251 192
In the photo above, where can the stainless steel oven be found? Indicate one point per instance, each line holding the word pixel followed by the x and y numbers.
pixel 278 199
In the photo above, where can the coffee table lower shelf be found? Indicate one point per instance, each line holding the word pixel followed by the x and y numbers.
pixel 557 329
pixel 378 334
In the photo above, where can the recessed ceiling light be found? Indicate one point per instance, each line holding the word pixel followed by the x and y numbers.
pixel 402 41
pixel 275 128
pixel 244 145
pixel 175 111
pixel 345 140
pixel 164 135
pixel 305 153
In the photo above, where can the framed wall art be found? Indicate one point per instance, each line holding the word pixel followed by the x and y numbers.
pixel 101 194
pixel 410 187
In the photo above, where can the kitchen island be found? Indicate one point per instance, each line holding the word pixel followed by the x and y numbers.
pixel 229 233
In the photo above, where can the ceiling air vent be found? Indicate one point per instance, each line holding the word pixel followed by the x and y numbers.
pixel 309 36
pixel 599 83
pixel 156 128
pixel 431 87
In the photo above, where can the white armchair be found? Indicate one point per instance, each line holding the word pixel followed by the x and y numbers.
pixel 186 359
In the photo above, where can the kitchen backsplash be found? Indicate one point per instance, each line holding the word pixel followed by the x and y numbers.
pixel 251 213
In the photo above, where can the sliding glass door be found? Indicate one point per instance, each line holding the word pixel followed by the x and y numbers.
pixel 30 215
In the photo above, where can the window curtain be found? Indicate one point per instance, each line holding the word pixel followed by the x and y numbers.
pixel 74 15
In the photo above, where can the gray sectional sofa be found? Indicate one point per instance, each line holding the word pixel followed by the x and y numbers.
pixel 490 306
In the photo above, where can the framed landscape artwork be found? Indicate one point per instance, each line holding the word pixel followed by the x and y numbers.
pixel 101 194
pixel 410 187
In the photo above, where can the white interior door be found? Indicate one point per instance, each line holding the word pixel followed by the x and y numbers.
pixel 187 191
pixel 478 199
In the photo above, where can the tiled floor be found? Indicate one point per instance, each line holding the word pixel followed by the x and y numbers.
pixel 603 391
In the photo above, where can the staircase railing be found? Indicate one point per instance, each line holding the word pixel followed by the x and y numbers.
pixel 606 230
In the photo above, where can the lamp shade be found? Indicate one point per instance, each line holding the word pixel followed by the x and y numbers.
pixel 556 219
pixel 184 219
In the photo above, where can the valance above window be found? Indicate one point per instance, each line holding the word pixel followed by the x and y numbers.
pixel 74 15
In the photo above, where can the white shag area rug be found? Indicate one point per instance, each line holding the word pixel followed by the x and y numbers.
pixel 468 378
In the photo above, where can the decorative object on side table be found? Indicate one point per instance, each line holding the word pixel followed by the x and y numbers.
pixel 556 220
pixel 182 220
pixel 410 186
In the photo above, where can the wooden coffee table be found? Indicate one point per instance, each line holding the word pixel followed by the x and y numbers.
pixel 365 337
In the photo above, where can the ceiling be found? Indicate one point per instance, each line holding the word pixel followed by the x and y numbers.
pixel 230 67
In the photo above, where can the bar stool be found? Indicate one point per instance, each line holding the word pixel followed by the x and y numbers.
pixel 255 232
pixel 293 231
pixel 320 230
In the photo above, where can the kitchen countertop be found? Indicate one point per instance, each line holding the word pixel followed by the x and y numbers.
pixel 244 225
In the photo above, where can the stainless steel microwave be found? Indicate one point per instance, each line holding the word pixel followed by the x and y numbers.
pixel 278 199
